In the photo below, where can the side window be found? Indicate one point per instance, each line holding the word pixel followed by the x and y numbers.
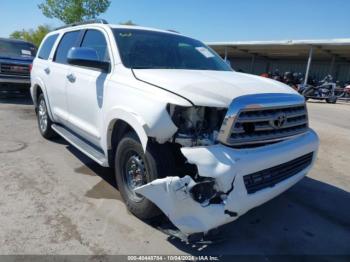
pixel 68 41
pixel 96 40
pixel 46 47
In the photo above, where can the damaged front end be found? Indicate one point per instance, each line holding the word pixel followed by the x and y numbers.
pixel 233 150
pixel 192 200
pixel 194 204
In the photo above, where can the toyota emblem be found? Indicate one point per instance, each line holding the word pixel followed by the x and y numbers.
pixel 279 121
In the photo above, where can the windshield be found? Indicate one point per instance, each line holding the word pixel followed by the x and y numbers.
pixel 142 49
pixel 12 48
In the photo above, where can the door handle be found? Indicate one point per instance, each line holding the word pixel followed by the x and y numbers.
pixel 71 78
pixel 47 70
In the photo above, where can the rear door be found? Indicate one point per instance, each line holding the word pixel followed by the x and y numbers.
pixel 42 62
pixel 85 91
pixel 58 72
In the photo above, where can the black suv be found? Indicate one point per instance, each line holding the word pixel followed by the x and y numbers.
pixel 16 58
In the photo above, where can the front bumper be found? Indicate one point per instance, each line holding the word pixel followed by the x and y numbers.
pixel 227 166
pixel 14 79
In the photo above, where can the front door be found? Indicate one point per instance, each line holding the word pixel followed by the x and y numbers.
pixel 85 89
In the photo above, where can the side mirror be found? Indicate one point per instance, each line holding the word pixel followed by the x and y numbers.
pixel 84 56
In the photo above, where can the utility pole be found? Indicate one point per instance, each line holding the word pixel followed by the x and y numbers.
pixel 308 66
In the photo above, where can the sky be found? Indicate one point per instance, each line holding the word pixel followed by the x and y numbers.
pixel 208 20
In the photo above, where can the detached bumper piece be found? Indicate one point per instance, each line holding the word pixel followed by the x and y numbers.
pixel 271 176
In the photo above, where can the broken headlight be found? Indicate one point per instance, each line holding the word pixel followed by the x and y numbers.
pixel 196 125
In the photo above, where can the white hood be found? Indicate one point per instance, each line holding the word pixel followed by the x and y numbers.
pixel 211 88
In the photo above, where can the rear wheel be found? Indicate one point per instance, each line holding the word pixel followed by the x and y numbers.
pixel 331 100
pixel 44 121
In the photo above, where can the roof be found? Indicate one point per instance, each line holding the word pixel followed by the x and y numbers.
pixel 143 28
pixel 104 23
pixel 15 40
pixel 322 49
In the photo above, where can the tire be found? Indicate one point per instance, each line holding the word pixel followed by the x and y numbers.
pixel 331 100
pixel 44 121
pixel 149 162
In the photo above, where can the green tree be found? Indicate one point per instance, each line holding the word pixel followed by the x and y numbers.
pixel 34 36
pixel 71 11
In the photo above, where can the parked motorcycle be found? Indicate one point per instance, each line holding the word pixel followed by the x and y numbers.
pixel 325 90
pixel 343 92
pixel 296 80
pixel 276 75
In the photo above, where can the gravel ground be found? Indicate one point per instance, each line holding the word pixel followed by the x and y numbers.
pixel 54 200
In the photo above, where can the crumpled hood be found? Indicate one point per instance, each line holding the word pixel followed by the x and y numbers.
pixel 211 88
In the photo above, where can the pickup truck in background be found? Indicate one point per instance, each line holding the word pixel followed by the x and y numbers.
pixel 16 58
pixel 185 134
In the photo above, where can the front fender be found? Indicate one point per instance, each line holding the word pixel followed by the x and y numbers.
pixel 132 119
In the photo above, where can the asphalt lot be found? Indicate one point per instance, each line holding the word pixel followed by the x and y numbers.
pixel 54 200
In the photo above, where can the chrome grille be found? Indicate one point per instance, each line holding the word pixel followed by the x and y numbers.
pixel 264 119
pixel 14 69
pixel 260 125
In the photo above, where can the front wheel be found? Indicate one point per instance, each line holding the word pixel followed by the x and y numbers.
pixel 44 121
pixel 134 168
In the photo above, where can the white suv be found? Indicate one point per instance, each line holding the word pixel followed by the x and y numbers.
pixel 186 134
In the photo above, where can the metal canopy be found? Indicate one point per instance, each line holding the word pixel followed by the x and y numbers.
pixel 291 49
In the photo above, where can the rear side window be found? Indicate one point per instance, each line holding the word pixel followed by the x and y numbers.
pixel 68 41
pixel 96 40
pixel 45 49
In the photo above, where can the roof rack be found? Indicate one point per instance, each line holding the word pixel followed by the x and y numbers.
pixel 93 21
pixel 173 31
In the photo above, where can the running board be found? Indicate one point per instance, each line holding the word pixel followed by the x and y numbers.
pixel 80 144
